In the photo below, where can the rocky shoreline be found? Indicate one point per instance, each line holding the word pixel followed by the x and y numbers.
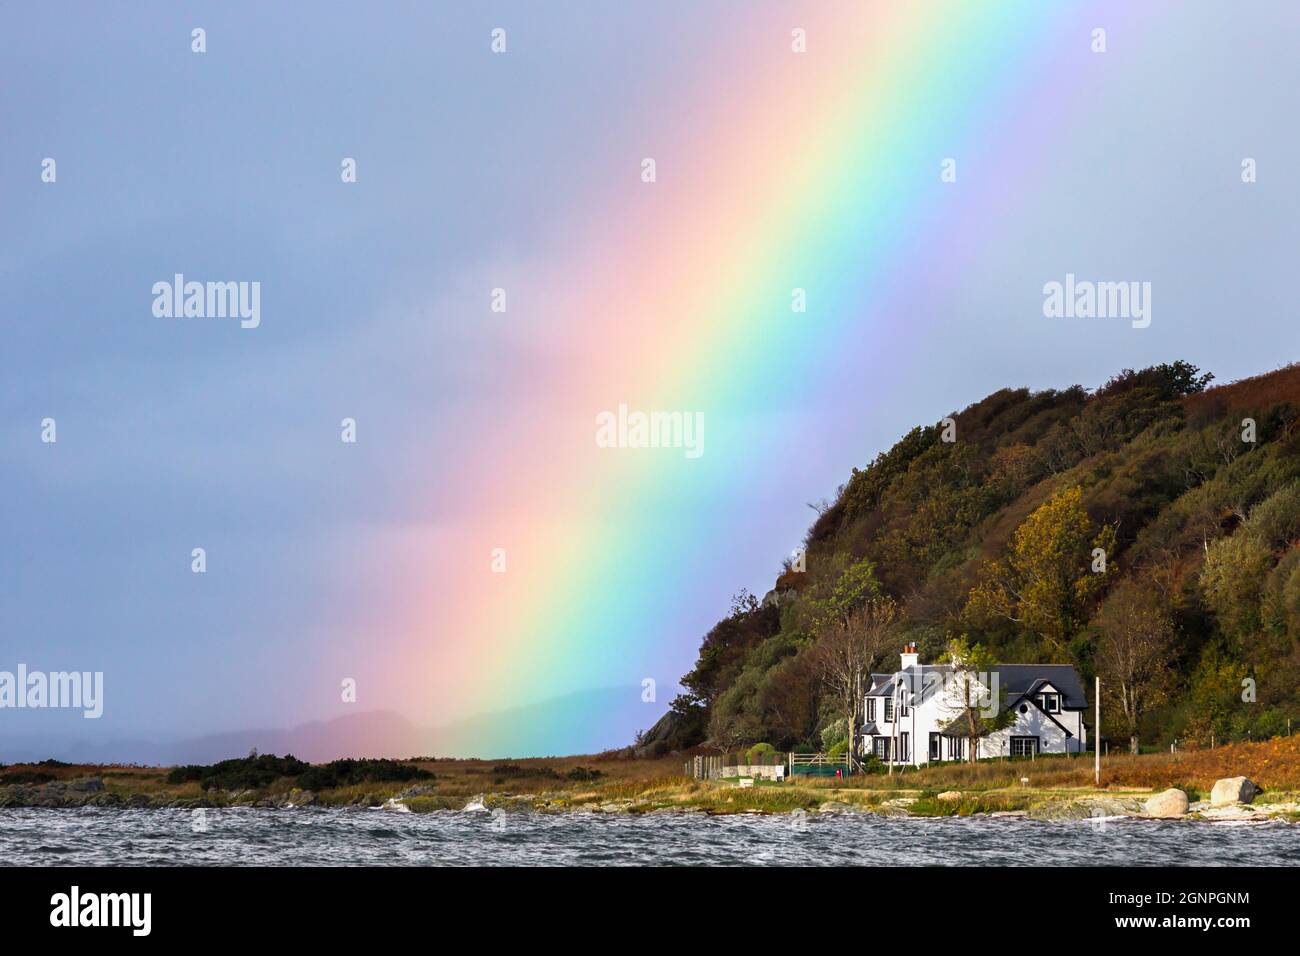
pixel 1232 800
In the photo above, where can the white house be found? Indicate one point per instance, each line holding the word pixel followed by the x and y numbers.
pixel 917 715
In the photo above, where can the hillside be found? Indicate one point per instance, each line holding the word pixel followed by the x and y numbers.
pixel 1147 530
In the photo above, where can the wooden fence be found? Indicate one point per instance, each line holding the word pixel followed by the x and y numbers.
pixel 711 767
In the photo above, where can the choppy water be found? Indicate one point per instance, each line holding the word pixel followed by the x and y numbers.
pixel 317 837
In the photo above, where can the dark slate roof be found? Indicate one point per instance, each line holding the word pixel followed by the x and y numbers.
pixel 882 685
pixel 1020 680
pixel 1014 681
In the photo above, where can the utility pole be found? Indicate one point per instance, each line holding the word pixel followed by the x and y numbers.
pixel 1096 742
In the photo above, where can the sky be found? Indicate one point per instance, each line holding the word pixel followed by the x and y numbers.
pixel 506 267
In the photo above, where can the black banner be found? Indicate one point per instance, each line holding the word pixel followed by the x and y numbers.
pixel 289 905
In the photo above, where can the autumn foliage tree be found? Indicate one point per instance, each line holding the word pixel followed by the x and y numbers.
pixel 1049 580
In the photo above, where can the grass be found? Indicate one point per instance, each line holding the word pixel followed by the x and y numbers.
pixel 928 805
pixel 1272 764
pixel 638 786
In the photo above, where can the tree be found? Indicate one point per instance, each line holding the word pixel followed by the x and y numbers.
pixel 969 695
pixel 849 648
pixel 853 587
pixel 1232 579
pixel 1052 572
pixel 1135 651
pixel 1215 695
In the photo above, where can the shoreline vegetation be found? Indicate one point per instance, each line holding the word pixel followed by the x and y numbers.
pixel 1048 788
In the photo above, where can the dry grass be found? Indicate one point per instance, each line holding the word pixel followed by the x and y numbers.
pixel 644 785
pixel 1260 391
pixel 1273 764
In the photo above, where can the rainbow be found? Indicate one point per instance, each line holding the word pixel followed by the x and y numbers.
pixel 817 171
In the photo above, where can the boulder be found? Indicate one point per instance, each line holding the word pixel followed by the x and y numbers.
pixel 1172 803
pixel 1085 808
pixel 1233 790
pixel 834 806
pixel 949 795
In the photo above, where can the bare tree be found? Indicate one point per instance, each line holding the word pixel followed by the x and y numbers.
pixel 1135 652
pixel 847 651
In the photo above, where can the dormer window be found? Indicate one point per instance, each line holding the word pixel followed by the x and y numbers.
pixel 1050 703
pixel 871 709
pixel 903 709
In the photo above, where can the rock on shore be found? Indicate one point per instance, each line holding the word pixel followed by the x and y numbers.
pixel 1168 805
pixel 1084 808
pixel 1232 790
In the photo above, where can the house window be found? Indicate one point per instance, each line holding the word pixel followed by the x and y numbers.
pixel 956 748
pixel 936 746
pixel 889 710
pixel 871 708
pixel 880 747
pixel 903 709
pixel 904 751
pixel 1051 703
pixel 1024 746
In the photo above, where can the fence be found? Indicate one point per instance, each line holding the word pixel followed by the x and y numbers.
pixel 705 767
pixel 722 766
pixel 817 765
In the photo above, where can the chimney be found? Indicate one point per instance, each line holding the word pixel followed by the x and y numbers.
pixel 909 656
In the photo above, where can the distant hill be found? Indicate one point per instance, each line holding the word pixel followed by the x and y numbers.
pixel 590 721
pixel 986 524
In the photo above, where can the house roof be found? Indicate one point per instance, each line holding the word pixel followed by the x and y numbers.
pixel 1015 681
pixel 882 685
pixel 1023 680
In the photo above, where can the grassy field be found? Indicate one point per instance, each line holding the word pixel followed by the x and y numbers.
pixel 616 784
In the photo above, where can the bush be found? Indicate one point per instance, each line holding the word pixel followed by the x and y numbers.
pixel 1275 521
pixel 26 776
pixel 872 764
pixel 346 773
pixel 242 773
pixel 256 771
pixel 759 752
pixel 834 732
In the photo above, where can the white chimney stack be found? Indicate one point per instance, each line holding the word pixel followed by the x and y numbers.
pixel 909 656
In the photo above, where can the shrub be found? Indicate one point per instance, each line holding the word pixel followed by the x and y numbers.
pixel 760 751
pixel 241 773
pixel 872 764
pixel 835 733
pixel 346 773
pixel 256 771
pixel 26 776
